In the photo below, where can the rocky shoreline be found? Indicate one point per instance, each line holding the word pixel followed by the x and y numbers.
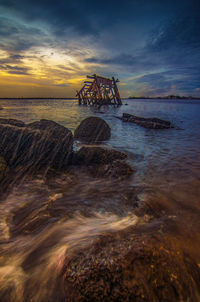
pixel 138 262
pixel 44 145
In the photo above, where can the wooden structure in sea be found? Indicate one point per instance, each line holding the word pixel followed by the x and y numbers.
pixel 99 91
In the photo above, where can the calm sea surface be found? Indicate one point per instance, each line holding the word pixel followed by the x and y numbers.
pixel 44 222
pixel 167 155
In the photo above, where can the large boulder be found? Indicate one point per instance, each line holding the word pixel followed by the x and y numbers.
pixel 36 145
pixel 102 162
pixel 150 123
pixel 93 129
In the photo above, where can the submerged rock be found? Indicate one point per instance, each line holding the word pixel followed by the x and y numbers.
pixel 118 169
pixel 97 155
pixel 35 146
pixel 93 129
pixel 3 166
pixel 150 123
pixel 102 162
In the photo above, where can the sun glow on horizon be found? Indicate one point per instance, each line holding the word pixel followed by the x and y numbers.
pixel 45 68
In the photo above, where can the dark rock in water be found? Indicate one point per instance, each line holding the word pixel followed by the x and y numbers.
pixel 117 169
pixel 131 269
pixel 3 166
pixel 150 123
pixel 37 145
pixel 97 155
pixel 92 129
pixel 102 162
pixel 12 122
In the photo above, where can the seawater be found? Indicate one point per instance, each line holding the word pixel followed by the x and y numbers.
pixel 171 155
pixel 42 223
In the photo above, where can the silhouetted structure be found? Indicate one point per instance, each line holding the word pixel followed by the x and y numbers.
pixel 99 91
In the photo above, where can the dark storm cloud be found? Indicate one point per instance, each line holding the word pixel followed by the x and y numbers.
pixel 88 17
pixel 174 47
pixel 160 39
pixel 17 36
pixel 14 69
pixel 16 57
pixel 12 59
pixel 133 63
pixel 177 45
pixel 178 41
pixel 172 43
pixel 183 79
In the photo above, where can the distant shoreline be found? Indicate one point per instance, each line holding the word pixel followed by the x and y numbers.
pixel 128 98
pixel 170 97
pixel 39 98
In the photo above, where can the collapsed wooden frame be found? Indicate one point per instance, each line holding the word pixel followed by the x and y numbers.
pixel 99 91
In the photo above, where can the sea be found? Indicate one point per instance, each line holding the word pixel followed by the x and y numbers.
pixel 158 156
pixel 166 166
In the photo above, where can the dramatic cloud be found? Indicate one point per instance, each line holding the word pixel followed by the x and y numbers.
pixel 14 69
pixel 152 46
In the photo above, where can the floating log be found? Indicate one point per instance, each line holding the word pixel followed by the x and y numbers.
pixel 100 91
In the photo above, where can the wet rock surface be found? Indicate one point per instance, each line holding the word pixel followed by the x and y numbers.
pixel 35 146
pixel 3 166
pixel 150 123
pixel 90 234
pixel 83 239
pixel 97 155
pixel 131 268
pixel 117 169
pixel 101 162
pixel 93 129
pixel 13 122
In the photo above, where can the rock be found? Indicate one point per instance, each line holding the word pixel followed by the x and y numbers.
pixel 97 155
pixel 36 145
pixel 102 162
pixel 3 166
pixel 12 122
pixel 56 130
pixel 118 169
pixel 131 269
pixel 150 123
pixel 93 129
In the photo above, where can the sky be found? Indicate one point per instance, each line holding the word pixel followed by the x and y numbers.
pixel 48 47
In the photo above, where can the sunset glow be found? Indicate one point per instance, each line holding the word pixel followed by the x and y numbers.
pixel 47 50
